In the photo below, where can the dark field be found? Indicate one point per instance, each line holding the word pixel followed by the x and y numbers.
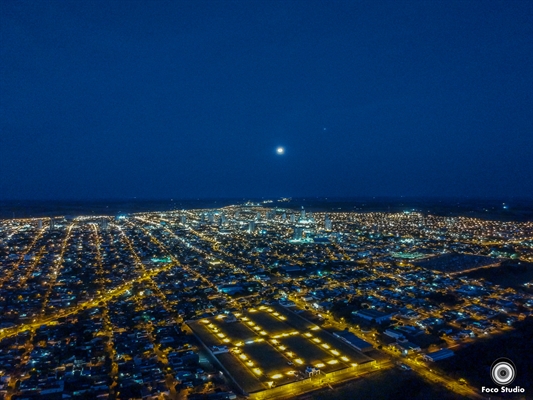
pixel 385 385
pixel 455 262
pixel 237 332
pixel 241 373
pixel 298 321
pixel 353 354
pixel 269 323
pixel 515 345
pixel 310 353
pixel 513 275
pixel 266 357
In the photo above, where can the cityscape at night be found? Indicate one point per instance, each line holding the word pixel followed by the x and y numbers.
pixel 266 199
pixel 258 300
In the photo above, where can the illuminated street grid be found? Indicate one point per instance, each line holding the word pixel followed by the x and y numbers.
pixel 272 346
pixel 94 305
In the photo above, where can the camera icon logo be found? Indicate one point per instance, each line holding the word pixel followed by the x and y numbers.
pixel 503 371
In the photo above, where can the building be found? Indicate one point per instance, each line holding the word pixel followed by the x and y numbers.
pixel 220 349
pixel 298 233
pixel 375 315
pixel 394 334
pixel 439 355
pixel 353 340
pixel 407 347
pixel 302 214
pixel 230 289
pixel 40 224
pixel 287 303
pixel 293 219
pixel 327 223
pixel 251 227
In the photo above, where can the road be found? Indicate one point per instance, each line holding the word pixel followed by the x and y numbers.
pixel 417 367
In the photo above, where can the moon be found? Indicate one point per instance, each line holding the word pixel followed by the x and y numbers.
pixel 280 150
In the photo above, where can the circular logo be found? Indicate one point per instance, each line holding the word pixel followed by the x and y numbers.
pixel 503 371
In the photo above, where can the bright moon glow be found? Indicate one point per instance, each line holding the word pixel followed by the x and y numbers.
pixel 280 150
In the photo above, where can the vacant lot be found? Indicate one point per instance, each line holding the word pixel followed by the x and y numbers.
pixel 268 322
pixel 514 275
pixel 390 384
pixel 455 262
pixel 311 353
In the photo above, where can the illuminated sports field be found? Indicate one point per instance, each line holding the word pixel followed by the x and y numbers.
pixel 271 346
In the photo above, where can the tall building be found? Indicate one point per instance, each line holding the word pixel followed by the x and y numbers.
pixel 298 233
pixel 327 223
pixel 284 217
pixel 258 216
pixel 103 224
pixel 302 214
pixel 40 224
pixel 293 218
pixel 183 219
pixel 251 227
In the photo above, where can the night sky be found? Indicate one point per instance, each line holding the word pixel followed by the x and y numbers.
pixel 185 99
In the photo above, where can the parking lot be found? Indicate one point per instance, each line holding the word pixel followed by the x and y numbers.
pixel 272 346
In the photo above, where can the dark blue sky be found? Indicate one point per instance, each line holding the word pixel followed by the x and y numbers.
pixel 102 99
